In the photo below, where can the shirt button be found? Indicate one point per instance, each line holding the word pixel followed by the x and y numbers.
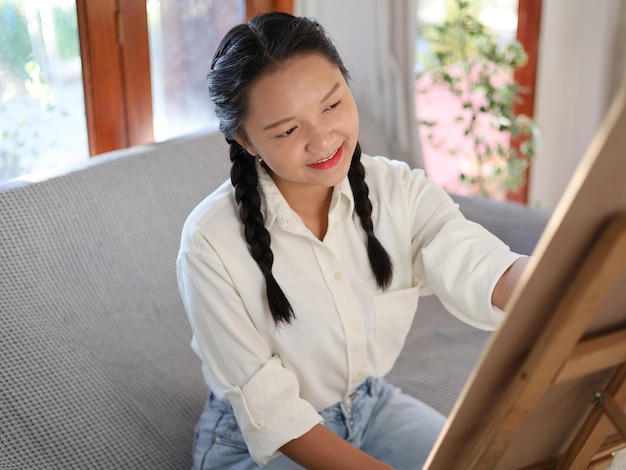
pixel 360 374
pixel 335 225
pixel 338 276
pixel 355 326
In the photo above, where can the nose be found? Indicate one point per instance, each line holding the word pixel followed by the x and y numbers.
pixel 319 139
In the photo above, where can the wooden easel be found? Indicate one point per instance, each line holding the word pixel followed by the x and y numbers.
pixel 559 356
pixel 550 389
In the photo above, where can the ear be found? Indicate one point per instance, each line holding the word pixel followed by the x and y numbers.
pixel 247 145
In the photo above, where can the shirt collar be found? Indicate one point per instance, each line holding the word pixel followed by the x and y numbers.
pixel 274 206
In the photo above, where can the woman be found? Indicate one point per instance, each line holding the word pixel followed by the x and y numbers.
pixel 301 275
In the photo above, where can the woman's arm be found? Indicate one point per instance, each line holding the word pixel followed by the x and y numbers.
pixel 322 449
pixel 505 285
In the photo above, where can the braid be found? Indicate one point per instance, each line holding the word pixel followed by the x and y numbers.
pixel 244 178
pixel 379 258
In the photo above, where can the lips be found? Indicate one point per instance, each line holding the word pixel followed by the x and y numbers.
pixel 329 161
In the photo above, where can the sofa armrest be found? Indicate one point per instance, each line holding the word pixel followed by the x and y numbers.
pixel 519 226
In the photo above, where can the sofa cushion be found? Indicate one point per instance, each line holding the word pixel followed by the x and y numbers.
pixel 95 341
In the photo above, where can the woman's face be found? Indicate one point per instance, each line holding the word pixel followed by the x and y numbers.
pixel 303 122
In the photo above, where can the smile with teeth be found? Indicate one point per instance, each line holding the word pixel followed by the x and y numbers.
pixel 325 159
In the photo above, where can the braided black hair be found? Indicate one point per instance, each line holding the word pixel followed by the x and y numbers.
pixel 378 256
pixel 245 179
pixel 245 53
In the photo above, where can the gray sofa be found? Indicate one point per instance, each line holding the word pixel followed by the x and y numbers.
pixel 96 370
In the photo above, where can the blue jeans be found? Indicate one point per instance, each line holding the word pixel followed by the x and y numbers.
pixel 377 418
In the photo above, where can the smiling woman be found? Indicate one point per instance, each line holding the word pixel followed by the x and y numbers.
pixel 301 274
pixel 316 126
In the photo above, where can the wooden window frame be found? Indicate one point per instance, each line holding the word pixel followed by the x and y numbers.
pixel 116 76
pixel 254 7
pixel 528 28
pixel 114 47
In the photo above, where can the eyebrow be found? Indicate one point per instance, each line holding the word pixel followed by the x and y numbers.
pixel 330 93
pixel 287 119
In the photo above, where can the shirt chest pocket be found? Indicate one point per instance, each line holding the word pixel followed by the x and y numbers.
pixel 394 313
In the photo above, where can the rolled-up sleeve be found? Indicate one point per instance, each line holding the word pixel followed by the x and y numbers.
pixel 267 402
pixel 455 258
pixel 462 266
pixel 264 394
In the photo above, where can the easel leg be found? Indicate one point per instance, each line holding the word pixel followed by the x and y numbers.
pixel 603 464
pixel 614 411
pixel 596 428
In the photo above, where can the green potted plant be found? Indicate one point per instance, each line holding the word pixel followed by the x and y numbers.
pixel 472 65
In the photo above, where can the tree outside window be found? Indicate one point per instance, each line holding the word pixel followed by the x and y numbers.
pixel 41 94
pixel 466 96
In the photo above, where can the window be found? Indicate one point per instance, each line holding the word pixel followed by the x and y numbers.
pixel 183 38
pixel 446 150
pixel 41 89
pixel 143 76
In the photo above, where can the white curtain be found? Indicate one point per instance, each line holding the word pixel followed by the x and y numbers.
pixel 376 39
pixel 582 63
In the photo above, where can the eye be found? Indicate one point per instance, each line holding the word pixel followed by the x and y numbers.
pixel 288 132
pixel 334 105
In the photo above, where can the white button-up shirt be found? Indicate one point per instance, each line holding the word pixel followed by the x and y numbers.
pixel 346 328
